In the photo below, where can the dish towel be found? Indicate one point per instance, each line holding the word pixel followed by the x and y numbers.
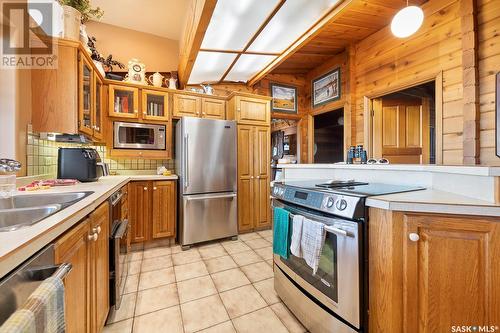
pixel 42 312
pixel 281 241
pixel 296 235
pixel 312 241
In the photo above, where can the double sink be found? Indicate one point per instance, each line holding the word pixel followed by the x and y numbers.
pixel 25 210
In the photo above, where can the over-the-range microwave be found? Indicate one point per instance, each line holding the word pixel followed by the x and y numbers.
pixel 138 136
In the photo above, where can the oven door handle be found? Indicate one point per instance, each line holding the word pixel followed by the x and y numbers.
pixel 337 231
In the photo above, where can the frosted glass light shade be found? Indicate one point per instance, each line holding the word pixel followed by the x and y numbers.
pixel 210 66
pixel 234 22
pixel 247 66
pixel 407 21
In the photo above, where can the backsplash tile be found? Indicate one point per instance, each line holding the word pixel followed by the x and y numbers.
pixel 42 158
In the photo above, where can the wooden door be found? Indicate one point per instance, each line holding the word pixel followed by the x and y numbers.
pixel 213 108
pixel 451 273
pixel 246 138
pixel 186 106
pixel 98 126
pixel 123 101
pixel 139 210
pixel 164 209
pixel 85 96
pixel 154 105
pixel 253 111
pixel 401 130
pixel 99 267
pixel 72 248
pixel 262 156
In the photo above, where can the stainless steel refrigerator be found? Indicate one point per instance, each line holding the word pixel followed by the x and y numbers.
pixel 206 163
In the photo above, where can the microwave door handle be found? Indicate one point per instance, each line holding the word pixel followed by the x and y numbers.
pixel 186 164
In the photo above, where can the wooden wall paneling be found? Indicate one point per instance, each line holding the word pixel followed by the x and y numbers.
pixel 439 118
pixel 350 99
pixel 470 82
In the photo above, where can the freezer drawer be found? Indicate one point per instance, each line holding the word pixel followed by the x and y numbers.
pixel 207 217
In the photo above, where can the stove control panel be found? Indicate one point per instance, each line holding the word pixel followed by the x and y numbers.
pixel 332 203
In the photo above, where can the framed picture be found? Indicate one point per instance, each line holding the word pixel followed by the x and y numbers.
pixel 326 88
pixel 284 98
pixel 497 114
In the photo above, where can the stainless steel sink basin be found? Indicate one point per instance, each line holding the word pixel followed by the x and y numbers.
pixel 37 200
pixel 25 210
pixel 12 219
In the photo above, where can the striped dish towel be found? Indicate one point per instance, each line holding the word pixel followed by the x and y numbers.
pixel 296 235
pixel 43 311
pixel 312 241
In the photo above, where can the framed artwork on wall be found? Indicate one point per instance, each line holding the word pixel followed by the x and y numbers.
pixel 284 98
pixel 326 88
pixel 497 114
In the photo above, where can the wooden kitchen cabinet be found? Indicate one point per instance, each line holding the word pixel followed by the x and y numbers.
pixel 429 272
pixel 154 105
pixel 186 106
pixel 123 101
pixel 86 247
pixel 253 177
pixel 152 209
pixel 85 96
pixel 212 108
pixel 98 110
pixel 250 110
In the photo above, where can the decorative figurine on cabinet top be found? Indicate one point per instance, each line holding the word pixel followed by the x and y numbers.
pixel 136 72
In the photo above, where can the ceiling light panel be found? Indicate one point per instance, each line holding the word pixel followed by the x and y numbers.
pixel 210 66
pixel 234 22
pixel 289 23
pixel 247 66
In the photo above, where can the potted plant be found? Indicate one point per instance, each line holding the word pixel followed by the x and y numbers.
pixel 76 13
pixel 104 65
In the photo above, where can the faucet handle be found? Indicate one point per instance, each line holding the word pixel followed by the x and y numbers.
pixel 8 165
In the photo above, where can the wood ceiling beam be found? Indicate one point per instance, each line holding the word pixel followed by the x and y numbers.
pixel 194 32
pixel 303 40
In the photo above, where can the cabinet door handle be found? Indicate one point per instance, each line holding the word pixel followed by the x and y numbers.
pixel 92 237
pixel 414 237
pixel 154 188
pixel 251 177
pixel 97 229
pixel 145 188
pixel 258 177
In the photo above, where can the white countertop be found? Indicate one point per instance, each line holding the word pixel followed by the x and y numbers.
pixel 17 246
pixel 454 169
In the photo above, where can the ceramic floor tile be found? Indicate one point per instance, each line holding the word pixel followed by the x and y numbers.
pixel 190 271
pixel 249 236
pixel 287 318
pixel 152 264
pixel 157 252
pixel 190 290
pixel 203 313
pixel 242 300
pixel 158 298
pixel 166 320
pixel 265 233
pixel 156 278
pixel 265 253
pixel 235 247
pixel 226 327
pixel 269 239
pixel 135 267
pixel 220 264
pixel 212 251
pixel 124 326
pixel 270 262
pixel 126 310
pixel 135 255
pixel 257 243
pixel 245 258
pixel 229 279
pixel 186 257
pixel 131 284
pixel 258 271
pixel 176 249
pixel 264 320
pixel 266 290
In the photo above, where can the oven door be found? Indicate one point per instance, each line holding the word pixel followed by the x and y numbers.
pixel 336 284
pixel 138 136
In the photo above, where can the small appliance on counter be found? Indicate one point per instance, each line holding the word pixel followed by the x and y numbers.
pixel 78 163
pixel 357 153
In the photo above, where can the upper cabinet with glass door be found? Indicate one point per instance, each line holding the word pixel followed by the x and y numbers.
pixel 123 101
pixel 85 103
pixel 154 105
pixel 98 108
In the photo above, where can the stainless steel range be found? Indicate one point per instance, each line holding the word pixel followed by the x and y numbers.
pixel 335 298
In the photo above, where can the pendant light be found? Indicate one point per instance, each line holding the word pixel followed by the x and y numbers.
pixel 407 21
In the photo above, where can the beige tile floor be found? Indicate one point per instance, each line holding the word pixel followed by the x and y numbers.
pixel 218 287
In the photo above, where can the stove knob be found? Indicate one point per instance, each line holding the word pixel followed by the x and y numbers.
pixel 341 204
pixel 329 202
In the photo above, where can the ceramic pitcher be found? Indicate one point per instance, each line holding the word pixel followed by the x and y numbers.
pixel 172 83
pixel 156 79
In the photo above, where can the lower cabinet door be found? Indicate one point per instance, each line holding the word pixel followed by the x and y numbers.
pixel 164 209
pixel 139 210
pixel 246 207
pixel 73 248
pixel 262 203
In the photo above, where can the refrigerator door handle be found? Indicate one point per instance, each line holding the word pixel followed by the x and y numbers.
pixel 206 197
pixel 186 164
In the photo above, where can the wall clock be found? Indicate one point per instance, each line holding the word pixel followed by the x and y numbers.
pixel 136 72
